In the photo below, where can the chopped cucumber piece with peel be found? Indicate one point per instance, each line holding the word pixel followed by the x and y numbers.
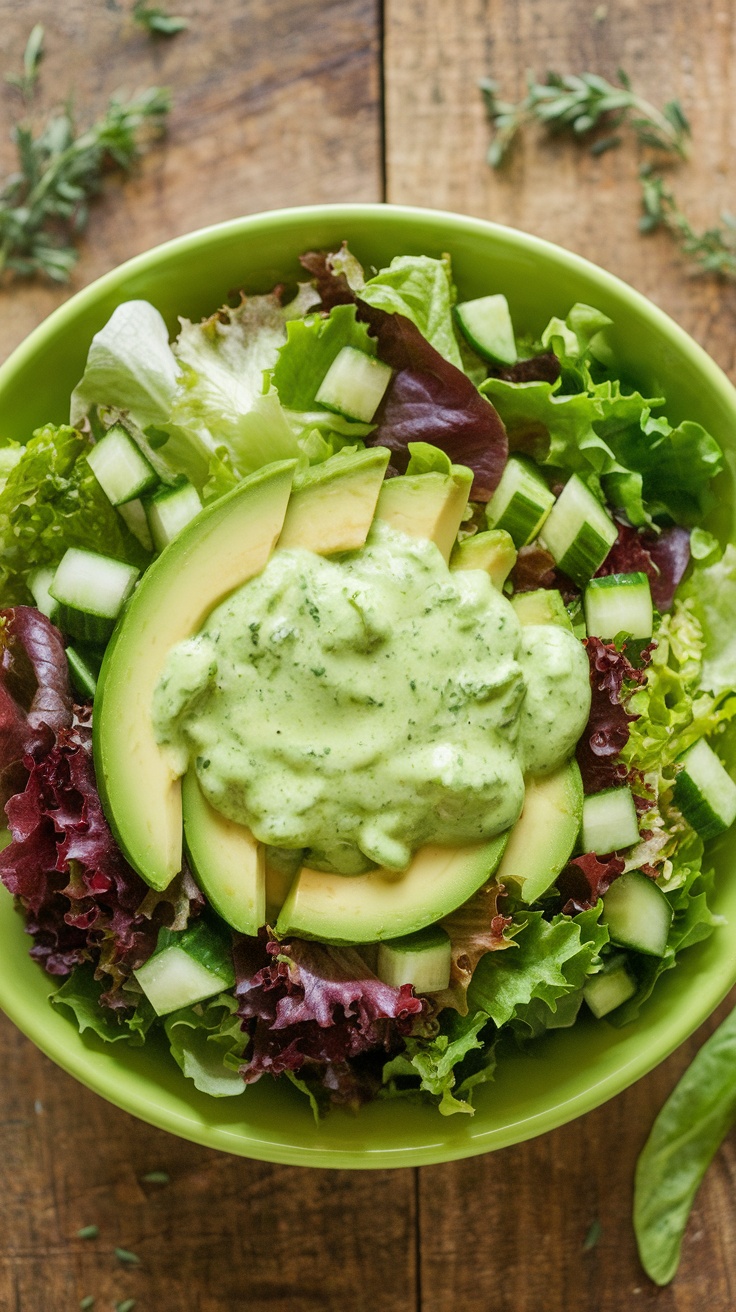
pixel 619 603
pixel 521 502
pixel 186 968
pixel 170 510
pixel 637 914
pixel 39 583
pixel 133 513
pixel 577 617
pixel 423 960
pixel 704 791
pixel 354 384
pixel 578 531
pixel 91 591
pixel 542 606
pixel 609 821
pixel 493 552
pixel 610 988
pixel 120 467
pixel 84 669
pixel 486 322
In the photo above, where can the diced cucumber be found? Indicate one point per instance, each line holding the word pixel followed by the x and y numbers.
pixel 423 960
pixel 637 914
pixel 612 986
pixel 521 502
pixel 486 322
pixel 578 531
pixel 169 511
pixel 705 791
pixel 609 821
pixel 492 551
pixel 354 385
pixel 134 515
pixel 39 583
pixel 186 967
pixel 543 606
pixel 120 467
pixel 91 590
pixel 619 603
pixel 84 667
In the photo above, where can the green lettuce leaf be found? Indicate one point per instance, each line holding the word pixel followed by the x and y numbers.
pixel 130 366
pixel 550 959
pixel 52 500
pixel 421 289
pixel 207 1041
pixel 543 1013
pixel 676 465
pixel 711 590
pixel 437 1063
pixel 311 346
pixel 427 459
pixel 81 993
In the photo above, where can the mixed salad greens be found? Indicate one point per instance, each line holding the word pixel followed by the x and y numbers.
pixel 587 509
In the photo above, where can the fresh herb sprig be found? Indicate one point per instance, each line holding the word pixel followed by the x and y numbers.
pixel 32 56
pixel 579 105
pixel 45 205
pixel 713 250
pixel 156 21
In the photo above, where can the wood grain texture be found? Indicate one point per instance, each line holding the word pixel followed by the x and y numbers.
pixel 276 102
pixel 507 1231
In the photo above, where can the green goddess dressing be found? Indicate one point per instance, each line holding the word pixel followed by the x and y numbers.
pixel 363 705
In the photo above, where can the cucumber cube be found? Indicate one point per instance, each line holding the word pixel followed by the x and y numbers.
pixel 521 502
pixel 120 467
pixel 170 510
pixel 609 821
pixel 423 960
pixel 39 583
pixel 705 791
pixel 91 591
pixel 84 670
pixel 578 531
pixel 486 322
pixel 638 914
pixel 354 384
pixel 611 987
pixel 619 603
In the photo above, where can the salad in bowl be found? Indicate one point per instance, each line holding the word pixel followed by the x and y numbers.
pixel 366 681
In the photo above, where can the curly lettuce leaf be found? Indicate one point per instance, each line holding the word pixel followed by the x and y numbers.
pixel 130 366
pixel 676 466
pixel 207 1042
pixel 711 591
pixel 437 1065
pixel 311 347
pixel 82 994
pixel 52 500
pixel 550 959
pixel 421 289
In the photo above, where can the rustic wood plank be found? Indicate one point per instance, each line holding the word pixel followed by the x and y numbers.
pixel 224 1234
pixel 507 1231
pixel 276 102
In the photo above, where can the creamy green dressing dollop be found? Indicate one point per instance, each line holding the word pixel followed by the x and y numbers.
pixel 363 705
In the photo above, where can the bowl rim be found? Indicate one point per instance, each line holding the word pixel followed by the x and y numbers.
pixel 99 1075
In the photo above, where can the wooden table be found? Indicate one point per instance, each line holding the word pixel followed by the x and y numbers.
pixel 281 102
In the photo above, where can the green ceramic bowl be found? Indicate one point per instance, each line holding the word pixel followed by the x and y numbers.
pixel 568 1072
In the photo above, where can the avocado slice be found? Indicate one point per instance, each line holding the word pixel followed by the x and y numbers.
pixel 543 606
pixel 227 544
pixel 382 903
pixel 427 505
pixel 543 837
pixel 228 863
pixel 332 505
pixel 493 551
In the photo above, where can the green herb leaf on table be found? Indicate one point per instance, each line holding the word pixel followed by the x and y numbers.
pixel 156 21
pixel 32 56
pixel 44 206
pixel 684 1139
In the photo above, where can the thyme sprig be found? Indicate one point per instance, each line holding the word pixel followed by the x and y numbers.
pixel 45 205
pixel 579 105
pixel 156 20
pixel 713 250
pixel 26 81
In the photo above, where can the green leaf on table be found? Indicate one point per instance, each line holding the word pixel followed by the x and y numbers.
pixel 156 20
pixel 683 1141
